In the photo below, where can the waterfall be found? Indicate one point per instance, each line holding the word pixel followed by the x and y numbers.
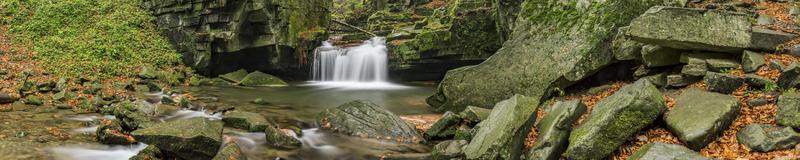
pixel 365 63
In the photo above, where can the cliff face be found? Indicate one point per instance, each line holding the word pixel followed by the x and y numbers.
pixel 219 36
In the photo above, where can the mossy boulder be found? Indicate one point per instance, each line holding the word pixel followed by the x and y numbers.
pixel 658 150
pixel 474 114
pixel 366 119
pixel 260 79
pixel 693 29
pixel 699 117
pixel 448 150
pixel 148 153
pixel 788 113
pixel 554 130
pixel 250 121
pixel 230 151
pixel 193 138
pixel 132 116
pixel 234 77
pixel 722 83
pixel 614 119
pixel 112 133
pixel 765 138
pixel 625 48
pixel 444 127
pixel 280 138
pixel 501 135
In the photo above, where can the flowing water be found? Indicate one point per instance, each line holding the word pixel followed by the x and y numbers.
pixel 365 63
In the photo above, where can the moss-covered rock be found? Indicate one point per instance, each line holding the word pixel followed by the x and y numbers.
pixel 235 76
pixel 230 151
pixel 501 136
pixel 722 83
pixel 658 150
pixel 693 29
pixel 253 122
pixel 260 79
pixel 699 117
pixel 193 138
pixel 444 127
pixel 789 109
pixel 148 153
pixel 366 119
pixel 554 130
pixel 448 150
pixel 657 56
pixel 280 138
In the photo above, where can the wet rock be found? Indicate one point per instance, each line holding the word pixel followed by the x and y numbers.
pixel 445 127
pixel 789 109
pixel 280 138
pixel 722 83
pixel 657 56
pixel 765 138
pixel 260 101
pixel 33 100
pixel 475 114
pixel 757 81
pixel 448 150
pixel 230 151
pixel 501 136
pixel 521 68
pixel 366 119
pixel 112 133
pixel 751 61
pixel 554 130
pixel 699 117
pixel 253 122
pixel 149 153
pixel 132 116
pixel 614 119
pixel 6 98
pixel 709 30
pixel 193 138
pixel 790 77
pixel 234 77
pixel 259 79
pixel 695 67
pixel 680 80
pixel 658 150
pixel 624 48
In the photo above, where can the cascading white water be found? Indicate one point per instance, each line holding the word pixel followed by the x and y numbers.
pixel 365 63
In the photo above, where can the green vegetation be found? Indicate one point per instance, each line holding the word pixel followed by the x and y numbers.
pixel 95 38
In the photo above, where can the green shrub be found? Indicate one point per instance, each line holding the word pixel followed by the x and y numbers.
pixel 95 38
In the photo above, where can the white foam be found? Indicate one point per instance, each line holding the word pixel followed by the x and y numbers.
pixel 101 152
pixel 87 130
pixel 346 85
pixel 187 113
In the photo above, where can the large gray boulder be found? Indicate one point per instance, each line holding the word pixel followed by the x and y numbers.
pixel 765 138
pixel 554 130
pixel 535 63
pixel 699 117
pixel 193 138
pixel 501 136
pixel 366 119
pixel 789 109
pixel 614 119
pixel 722 83
pixel 663 151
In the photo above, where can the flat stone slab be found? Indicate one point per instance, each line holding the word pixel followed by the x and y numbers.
pixel 366 119
pixel 193 138
pixel 693 29
pixel 765 138
pixel 250 121
pixel 699 117
pixel 663 151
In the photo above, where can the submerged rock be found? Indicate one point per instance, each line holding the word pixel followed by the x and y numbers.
pixel 765 138
pixel 554 130
pixel 259 79
pixel 448 150
pixel 193 138
pixel 722 83
pixel 789 109
pixel 699 117
pixel 445 127
pixel 366 119
pixel 148 153
pixel 230 151
pixel 501 136
pixel 693 29
pixel 658 151
pixel 253 122
pixel 614 119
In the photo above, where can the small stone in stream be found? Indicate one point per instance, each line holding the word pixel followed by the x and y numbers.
pixel 260 101
pixel 250 121
pixel 234 77
pixel 475 114
pixel 230 151
pixel 722 83
pixel 280 138
pixel 614 119
pixel 193 138
pixel 758 82
pixel 657 56
pixel 113 133
pixel 132 116
pixel 502 135
pixel 722 64
pixel 33 100
pixel 764 19
pixel 20 106
pixel 148 153
pixel 790 77
pixel 259 79
pixel 6 98
pixel 554 130
pixel 447 150
pixel 763 39
pixel 658 151
pixel 624 48
pixel 765 138
pixel 751 61
pixel 775 64
pixel 147 73
pixel 367 120
pixel 699 117
pixel 696 67
pixel 445 127
pixel 788 113
pixel 680 80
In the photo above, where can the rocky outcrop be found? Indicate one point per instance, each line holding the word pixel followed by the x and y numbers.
pixel 660 150
pixel 765 138
pixel 554 130
pixel 366 119
pixel 193 138
pixel 614 119
pixel 535 63
pixel 501 136
pixel 221 36
pixel 699 117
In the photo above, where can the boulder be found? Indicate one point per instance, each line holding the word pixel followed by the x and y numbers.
pixel 722 83
pixel 536 63
pixel 788 113
pixel 765 138
pixel 193 138
pixel 148 153
pixel 282 139
pixel 699 117
pixel 695 67
pixel 680 80
pixel 474 114
pixel 751 61
pixel 230 151
pixel 259 79
pixel 790 77
pixel 133 115
pixel 6 98
pixel 234 77
pixel 768 40
pixel 501 136
pixel 112 133
pixel 147 73
pixel 250 121
pixel 722 64
pixel 554 130
pixel 33 100
pixel 448 150
pixel 757 81
pixel 445 127
pixel 693 29
pixel 658 151
pixel 366 119
pixel 659 79
pixel 657 56
pixel 614 119
pixel 624 48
